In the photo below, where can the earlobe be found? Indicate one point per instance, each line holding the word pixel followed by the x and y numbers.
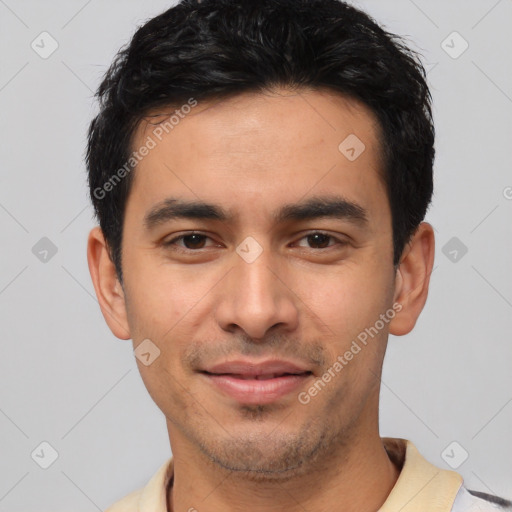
pixel 109 291
pixel 413 278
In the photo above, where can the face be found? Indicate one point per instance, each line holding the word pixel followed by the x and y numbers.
pixel 287 268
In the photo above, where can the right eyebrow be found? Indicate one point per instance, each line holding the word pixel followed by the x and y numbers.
pixel 173 208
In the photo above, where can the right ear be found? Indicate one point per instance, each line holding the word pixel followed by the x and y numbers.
pixel 109 291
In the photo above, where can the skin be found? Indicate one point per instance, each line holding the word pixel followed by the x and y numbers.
pixel 301 300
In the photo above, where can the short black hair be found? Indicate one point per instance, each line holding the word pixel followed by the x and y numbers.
pixel 206 49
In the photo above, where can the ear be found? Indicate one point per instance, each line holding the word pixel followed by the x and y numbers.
pixel 412 279
pixel 109 291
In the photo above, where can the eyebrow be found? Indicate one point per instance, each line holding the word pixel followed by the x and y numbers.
pixel 335 207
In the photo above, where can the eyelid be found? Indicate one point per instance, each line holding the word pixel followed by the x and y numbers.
pixel 340 241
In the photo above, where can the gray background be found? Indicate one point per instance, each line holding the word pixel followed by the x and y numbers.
pixel 68 381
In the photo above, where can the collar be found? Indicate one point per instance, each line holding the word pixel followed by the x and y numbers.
pixel 421 486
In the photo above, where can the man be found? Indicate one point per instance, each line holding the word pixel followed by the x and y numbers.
pixel 261 171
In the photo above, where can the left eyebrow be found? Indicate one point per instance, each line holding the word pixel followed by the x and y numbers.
pixel 335 207
pixel 314 208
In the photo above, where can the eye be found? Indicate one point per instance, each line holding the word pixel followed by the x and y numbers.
pixel 192 241
pixel 319 238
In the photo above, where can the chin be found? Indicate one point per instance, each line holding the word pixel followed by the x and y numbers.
pixel 268 456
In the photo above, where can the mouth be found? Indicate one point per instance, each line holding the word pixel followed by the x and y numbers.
pixel 258 387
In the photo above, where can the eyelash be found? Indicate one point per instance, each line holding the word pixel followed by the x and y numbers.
pixel 171 243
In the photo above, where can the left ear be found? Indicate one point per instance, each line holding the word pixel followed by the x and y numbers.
pixel 412 279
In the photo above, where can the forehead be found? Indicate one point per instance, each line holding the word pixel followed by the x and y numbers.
pixel 258 148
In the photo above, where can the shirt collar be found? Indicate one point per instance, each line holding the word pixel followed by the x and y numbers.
pixel 421 486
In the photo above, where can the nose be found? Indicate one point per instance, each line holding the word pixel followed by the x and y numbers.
pixel 256 299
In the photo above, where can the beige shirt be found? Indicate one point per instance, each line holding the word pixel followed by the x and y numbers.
pixel 421 487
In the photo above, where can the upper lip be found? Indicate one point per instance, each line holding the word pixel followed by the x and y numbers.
pixel 250 368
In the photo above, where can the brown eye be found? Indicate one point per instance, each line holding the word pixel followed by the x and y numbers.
pixel 191 242
pixel 194 241
pixel 320 240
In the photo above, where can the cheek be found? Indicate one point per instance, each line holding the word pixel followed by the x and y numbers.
pixel 350 304
pixel 346 301
pixel 165 385
pixel 158 299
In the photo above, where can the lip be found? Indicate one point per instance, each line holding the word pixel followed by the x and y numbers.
pixel 253 368
pixel 256 383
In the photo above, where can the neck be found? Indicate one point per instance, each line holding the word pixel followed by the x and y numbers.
pixel 360 476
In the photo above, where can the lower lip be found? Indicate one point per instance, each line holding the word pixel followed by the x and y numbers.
pixel 253 391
